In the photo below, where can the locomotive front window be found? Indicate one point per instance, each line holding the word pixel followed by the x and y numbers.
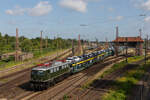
pixel 40 72
pixel 37 72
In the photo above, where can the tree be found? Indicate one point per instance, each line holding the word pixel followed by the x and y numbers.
pixel 26 45
pixel 6 37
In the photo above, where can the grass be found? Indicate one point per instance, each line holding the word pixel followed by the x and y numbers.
pixel 135 58
pixel 110 70
pixel 9 64
pixel 113 68
pixel 102 74
pixel 4 80
pixel 66 97
pixel 114 95
pixel 122 64
pixel 6 65
pixel 122 86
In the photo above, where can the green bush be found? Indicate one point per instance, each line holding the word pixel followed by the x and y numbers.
pixel 123 85
pixel 114 95
pixel 65 97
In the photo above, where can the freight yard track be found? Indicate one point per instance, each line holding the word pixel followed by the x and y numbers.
pixel 59 90
pixel 19 86
pixel 22 72
pixel 20 83
pixel 101 86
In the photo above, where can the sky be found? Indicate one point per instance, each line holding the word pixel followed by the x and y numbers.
pixel 68 18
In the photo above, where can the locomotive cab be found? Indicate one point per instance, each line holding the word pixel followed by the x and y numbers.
pixel 38 75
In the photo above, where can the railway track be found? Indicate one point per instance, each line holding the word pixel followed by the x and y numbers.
pixel 19 83
pixel 19 87
pixel 82 94
pixel 102 86
pixel 58 91
pixel 31 95
pixel 28 69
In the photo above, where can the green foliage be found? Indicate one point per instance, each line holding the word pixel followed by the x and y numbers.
pixel 26 45
pixel 114 95
pixel 5 65
pixel 65 97
pixel 11 58
pixel 7 43
pixel 123 85
pixel 122 64
pixel 113 68
pixel 135 58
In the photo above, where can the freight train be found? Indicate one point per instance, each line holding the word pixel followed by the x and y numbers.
pixel 48 74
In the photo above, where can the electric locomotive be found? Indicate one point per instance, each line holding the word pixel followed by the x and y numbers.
pixel 45 75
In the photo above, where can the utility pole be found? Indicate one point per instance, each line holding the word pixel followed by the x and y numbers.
pixel 57 40
pixel 41 45
pixel 17 46
pixel 117 32
pixel 72 47
pixel 145 50
pixel 147 41
pixel 79 44
pixel 126 50
pixel 83 49
pixel 106 44
pixel 96 41
pixel 139 48
pixel 46 42
pixel 146 44
pixel 140 31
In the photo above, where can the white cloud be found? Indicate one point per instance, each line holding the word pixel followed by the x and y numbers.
pixel 147 19
pixel 111 9
pixel 117 18
pixel 77 5
pixel 146 5
pixel 16 11
pixel 137 3
pixel 42 8
pixel 141 4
